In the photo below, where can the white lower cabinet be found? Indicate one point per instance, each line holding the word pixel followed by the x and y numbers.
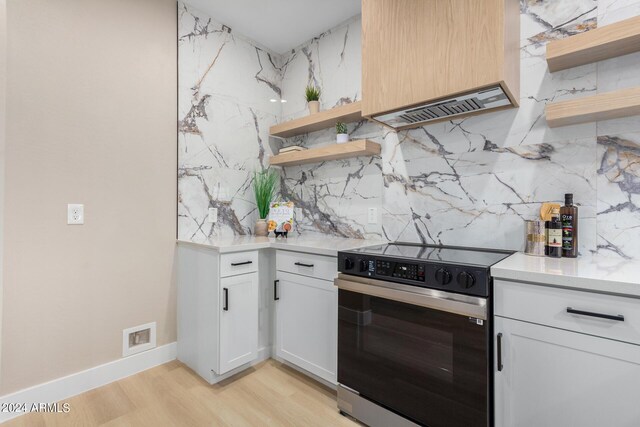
pixel 307 323
pixel 226 307
pixel 218 325
pixel 546 376
pixel 238 321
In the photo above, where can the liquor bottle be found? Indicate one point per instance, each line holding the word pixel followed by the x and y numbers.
pixel 546 237
pixel 569 219
pixel 554 235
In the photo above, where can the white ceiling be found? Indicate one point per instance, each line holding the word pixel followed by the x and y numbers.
pixel 279 25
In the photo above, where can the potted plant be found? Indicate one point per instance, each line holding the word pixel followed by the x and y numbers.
pixel 341 133
pixel 312 94
pixel 264 187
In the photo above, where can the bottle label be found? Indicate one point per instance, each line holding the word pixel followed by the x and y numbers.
pixel 554 237
pixel 567 232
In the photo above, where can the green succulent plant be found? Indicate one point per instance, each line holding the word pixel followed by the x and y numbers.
pixel 312 93
pixel 265 183
pixel 341 128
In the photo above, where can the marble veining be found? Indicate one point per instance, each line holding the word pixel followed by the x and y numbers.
pixel 225 86
pixel 619 195
pixel 470 181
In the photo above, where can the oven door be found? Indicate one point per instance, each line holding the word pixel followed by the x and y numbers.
pixel 421 353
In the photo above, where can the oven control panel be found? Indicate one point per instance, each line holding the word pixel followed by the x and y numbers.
pixel 400 270
pixel 449 277
pixel 383 268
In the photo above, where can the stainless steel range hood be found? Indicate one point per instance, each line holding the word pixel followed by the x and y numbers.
pixel 462 105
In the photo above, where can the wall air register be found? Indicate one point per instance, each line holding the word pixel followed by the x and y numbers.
pixel 487 99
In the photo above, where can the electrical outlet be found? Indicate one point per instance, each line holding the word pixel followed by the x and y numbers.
pixel 297 213
pixel 373 216
pixel 213 215
pixel 75 214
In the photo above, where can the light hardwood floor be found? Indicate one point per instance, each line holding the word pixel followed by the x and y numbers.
pixel 270 394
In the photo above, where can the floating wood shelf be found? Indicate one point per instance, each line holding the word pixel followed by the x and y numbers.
pixel 361 147
pixel 318 121
pixel 602 43
pixel 605 106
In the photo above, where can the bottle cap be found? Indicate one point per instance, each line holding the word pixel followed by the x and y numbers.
pixel 568 199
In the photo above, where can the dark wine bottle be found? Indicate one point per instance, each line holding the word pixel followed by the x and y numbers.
pixel 554 235
pixel 546 237
pixel 569 219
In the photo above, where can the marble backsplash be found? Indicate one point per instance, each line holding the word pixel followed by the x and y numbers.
pixel 470 181
pixel 224 86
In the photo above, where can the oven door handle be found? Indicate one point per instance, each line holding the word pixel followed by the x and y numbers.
pixel 464 305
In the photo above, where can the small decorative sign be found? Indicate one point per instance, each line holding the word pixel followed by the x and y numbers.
pixel 281 217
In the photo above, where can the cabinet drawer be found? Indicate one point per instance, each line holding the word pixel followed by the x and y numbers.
pixel 319 266
pixel 238 263
pixel 551 306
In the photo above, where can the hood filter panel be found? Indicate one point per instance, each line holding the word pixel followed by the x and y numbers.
pixel 444 109
pixel 462 105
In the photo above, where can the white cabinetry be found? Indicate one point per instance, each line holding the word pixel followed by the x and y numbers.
pixel 558 368
pixel 306 313
pixel 237 308
pixel 217 316
pixel 238 321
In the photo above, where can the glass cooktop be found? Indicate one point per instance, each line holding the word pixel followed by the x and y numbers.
pixel 448 254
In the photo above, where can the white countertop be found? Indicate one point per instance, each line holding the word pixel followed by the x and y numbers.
pixel 319 245
pixel 587 273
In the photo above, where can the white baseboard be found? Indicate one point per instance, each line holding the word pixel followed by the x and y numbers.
pixel 74 384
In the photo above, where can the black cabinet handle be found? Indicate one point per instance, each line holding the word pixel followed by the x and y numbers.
pixel 303 265
pixel 275 290
pixel 499 351
pixel 225 307
pixel 235 264
pixel 617 318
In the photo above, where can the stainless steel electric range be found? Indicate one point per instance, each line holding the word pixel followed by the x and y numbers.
pixel 414 334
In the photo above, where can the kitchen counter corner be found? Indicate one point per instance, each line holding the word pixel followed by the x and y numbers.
pixel 588 273
pixel 319 245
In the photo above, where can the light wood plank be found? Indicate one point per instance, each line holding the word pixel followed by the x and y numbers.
pixel 173 395
pixel 602 43
pixel 324 119
pixel 361 147
pixel 605 106
pixel 414 51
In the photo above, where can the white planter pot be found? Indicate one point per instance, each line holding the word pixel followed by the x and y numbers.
pixel 314 107
pixel 341 138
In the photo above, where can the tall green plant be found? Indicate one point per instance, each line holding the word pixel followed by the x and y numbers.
pixel 312 93
pixel 265 184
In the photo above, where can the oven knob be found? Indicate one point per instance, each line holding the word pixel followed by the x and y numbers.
pixel 443 276
pixel 348 263
pixel 364 265
pixel 466 280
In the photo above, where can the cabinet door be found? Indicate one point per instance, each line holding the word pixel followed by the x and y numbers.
pixel 553 377
pixel 307 323
pixel 238 321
